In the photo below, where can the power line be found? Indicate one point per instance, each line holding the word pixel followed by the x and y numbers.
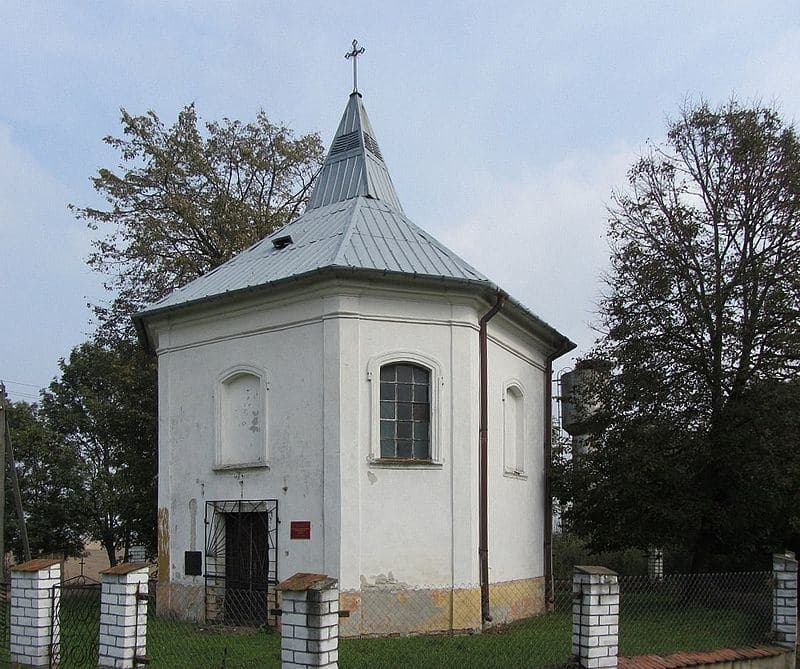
pixel 21 383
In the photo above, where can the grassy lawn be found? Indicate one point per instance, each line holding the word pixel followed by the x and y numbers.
pixel 177 644
pixel 673 631
pixel 538 642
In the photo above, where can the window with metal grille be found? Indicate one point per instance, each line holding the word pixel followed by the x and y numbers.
pixel 405 412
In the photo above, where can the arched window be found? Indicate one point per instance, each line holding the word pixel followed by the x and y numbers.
pixel 241 419
pixel 514 430
pixel 405 412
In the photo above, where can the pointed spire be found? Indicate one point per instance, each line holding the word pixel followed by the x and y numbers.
pixel 354 165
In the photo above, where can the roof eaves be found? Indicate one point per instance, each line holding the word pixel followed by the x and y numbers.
pixel 545 331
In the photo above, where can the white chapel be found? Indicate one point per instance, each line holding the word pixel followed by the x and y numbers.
pixel 350 397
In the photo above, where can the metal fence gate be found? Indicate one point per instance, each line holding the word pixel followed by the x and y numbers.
pixel 241 553
pixel 77 605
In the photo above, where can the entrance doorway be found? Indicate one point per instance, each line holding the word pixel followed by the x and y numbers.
pixel 241 556
pixel 246 567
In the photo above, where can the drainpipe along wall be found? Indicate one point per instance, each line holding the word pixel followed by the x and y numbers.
pixel 483 493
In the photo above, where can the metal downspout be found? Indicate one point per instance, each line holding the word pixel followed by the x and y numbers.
pixel 483 541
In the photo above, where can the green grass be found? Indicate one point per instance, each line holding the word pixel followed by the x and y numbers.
pixel 177 644
pixel 537 642
pixel 663 632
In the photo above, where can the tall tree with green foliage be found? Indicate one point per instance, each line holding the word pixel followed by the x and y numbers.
pixel 700 414
pixel 185 199
pixel 103 410
pixel 51 486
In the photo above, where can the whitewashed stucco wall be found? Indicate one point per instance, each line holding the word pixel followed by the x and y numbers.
pixel 369 522
pixel 287 342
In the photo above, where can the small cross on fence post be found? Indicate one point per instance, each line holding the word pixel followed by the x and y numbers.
pixel 354 54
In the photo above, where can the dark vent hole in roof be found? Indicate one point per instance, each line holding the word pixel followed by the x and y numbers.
pixel 372 145
pixel 345 143
pixel 282 242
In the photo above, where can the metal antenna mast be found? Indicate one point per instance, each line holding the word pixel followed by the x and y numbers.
pixel 354 54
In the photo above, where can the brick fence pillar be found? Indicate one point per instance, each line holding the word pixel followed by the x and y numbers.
pixel 595 617
pixel 309 622
pixel 35 598
pixel 123 615
pixel 784 599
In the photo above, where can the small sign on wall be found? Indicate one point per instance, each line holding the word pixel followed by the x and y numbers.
pixel 300 529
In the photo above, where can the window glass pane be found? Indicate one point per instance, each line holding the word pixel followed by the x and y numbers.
pixel 387 448
pixel 421 375
pixel 405 411
pixel 404 448
pixel 420 412
pixel 387 429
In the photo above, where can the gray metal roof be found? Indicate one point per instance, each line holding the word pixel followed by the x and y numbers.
pixel 354 221
pixel 359 233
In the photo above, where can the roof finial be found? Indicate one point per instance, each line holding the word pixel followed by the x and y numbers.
pixel 354 54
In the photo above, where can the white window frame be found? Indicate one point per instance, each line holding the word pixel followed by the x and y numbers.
pixel 223 378
pixel 437 382
pixel 519 449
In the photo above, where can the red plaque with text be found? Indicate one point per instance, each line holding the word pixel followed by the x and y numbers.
pixel 300 529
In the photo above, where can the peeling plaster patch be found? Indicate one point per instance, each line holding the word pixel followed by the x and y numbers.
pixel 383 581
pixel 372 478
pixel 436 609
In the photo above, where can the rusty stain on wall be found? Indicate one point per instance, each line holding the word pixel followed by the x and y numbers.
pixel 436 609
pixel 163 544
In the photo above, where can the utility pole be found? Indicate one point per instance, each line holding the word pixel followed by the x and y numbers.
pixel 11 465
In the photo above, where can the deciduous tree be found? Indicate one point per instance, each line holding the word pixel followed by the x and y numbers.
pixel 184 200
pixel 50 481
pixel 103 409
pixel 700 322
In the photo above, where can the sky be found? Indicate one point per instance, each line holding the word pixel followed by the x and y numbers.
pixel 506 126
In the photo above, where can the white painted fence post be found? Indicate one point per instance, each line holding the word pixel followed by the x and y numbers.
pixel 784 599
pixel 309 622
pixel 35 597
pixel 595 617
pixel 123 615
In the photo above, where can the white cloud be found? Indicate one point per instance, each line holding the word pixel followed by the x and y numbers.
pixel 540 236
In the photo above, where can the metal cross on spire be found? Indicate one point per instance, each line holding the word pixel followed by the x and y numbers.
pixel 354 54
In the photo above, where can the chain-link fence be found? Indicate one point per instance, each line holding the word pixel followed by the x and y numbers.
pixel 526 632
pixel 683 612
pixel 230 636
pixel 387 627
